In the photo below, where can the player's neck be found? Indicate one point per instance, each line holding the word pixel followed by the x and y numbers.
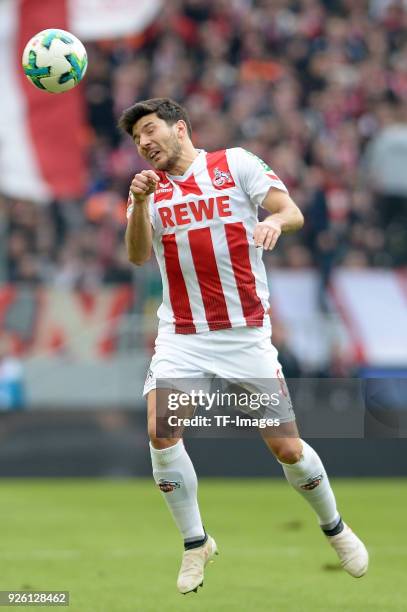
pixel 188 155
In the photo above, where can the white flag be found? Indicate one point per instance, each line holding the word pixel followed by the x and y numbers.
pixel 95 19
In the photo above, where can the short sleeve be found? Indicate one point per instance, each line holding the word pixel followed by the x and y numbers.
pixel 255 176
pixel 130 208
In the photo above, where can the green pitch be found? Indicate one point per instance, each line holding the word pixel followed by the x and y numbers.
pixel 114 547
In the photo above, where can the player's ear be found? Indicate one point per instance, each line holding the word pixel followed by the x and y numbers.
pixel 181 129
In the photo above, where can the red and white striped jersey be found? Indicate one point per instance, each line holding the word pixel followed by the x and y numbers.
pixel 213 275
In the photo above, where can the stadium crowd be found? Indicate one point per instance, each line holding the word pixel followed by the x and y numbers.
pixel 314 87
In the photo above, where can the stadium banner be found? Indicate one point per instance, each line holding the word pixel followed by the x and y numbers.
pixel 358 331
pixel 362 297
pixel 42 135
pixel 81 325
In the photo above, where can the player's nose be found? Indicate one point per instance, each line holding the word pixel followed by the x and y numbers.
pixel 145 142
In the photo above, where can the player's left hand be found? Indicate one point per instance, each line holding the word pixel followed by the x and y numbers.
pixel 266 234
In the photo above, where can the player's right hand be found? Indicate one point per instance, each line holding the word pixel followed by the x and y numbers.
pixel 143 184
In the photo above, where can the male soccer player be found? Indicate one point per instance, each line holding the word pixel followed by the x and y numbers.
pixel 198 211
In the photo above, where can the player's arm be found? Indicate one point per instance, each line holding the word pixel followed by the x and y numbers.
pixel 139 233
pixel 285 217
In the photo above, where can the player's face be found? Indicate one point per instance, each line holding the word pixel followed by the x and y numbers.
pixel 157 142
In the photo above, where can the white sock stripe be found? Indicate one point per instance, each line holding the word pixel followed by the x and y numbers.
pixel 332 524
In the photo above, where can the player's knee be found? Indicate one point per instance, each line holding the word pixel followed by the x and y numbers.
pixel 158 442
pixel 288 453
pixel 161 443
pixel 155 441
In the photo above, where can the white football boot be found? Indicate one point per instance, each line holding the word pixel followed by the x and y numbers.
pixel 191 574
pixel 351 551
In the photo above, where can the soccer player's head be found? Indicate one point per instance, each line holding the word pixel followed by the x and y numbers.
pixel 160 128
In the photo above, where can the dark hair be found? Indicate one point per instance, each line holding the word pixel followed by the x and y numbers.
pixel 164 108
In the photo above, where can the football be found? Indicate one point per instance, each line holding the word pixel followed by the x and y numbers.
pixel 54 60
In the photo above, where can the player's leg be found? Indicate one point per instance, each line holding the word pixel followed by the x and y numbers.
pixel 305 472
pixel 255 360
pixel 261 373
pixel 175 475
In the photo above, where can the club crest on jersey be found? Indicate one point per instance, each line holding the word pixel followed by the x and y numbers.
pixel 221 177
pixel 167 486
pixel 312 483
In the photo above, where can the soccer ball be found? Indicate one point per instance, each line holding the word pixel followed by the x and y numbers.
pixel 54 60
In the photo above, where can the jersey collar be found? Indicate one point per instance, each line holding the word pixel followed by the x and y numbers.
pixel 195 164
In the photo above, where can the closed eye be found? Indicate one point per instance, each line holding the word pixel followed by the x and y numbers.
pixel 147 129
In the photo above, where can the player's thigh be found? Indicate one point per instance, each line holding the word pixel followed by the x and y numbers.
pixel 261 375
pixel 254 366
pixel 178 361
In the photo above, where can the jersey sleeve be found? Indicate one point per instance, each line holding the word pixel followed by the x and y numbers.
pixel 255 176
pixel 130 208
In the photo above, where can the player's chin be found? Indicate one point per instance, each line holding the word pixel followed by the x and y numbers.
pixel 162 167
pixel 160 162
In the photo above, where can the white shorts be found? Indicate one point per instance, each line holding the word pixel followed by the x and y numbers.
pixel 242 356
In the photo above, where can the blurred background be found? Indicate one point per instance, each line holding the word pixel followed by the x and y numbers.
pixel 317 88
